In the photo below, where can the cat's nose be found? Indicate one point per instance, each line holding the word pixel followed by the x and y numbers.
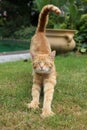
pixel 41 67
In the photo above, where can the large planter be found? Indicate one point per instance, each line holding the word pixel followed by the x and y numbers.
pixel 61 40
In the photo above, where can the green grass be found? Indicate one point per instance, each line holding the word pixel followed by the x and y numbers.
pixel 69 103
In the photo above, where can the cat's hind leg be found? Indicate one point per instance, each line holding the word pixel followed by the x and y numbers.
pixel 35 96
pixel 48 96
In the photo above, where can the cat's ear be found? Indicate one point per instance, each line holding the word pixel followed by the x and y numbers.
pixel 32 54
pixel 52 55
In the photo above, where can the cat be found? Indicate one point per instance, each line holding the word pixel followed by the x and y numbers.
pixel 44 72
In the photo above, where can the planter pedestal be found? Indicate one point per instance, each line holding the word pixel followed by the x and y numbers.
pixel 61 40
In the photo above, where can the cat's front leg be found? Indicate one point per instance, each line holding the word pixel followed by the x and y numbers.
pixel 35 96
pixel 48 96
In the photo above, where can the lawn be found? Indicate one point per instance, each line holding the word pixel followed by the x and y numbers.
pixel 69 102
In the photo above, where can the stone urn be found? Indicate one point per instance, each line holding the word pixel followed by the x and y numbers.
pixel 61 40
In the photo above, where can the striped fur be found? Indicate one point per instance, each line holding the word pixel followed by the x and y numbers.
pixel 43 17
pixel 44 72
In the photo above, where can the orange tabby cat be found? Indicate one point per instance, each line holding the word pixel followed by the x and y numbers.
pixel 44 72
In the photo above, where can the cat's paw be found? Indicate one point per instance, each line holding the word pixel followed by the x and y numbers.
pixel 33 105
pixel 47 114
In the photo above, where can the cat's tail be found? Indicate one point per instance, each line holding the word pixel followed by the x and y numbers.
pixel 43 17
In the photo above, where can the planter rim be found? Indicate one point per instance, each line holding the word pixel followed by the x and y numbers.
pixel 61 30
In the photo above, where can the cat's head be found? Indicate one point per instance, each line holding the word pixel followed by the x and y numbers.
pixel 43 63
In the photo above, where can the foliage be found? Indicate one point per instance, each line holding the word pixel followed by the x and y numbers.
pixel 69 16
pixel 22 14
pixel 9 28
pixel 18 14
pixel 54 21
pixel 72 14
pixel 69 102
pixel 81 36
pixel 41 3
pixel 24 33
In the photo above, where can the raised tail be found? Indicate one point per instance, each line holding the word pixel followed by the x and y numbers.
pixel 43 17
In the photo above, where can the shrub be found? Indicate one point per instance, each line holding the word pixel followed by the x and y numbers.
pixel 81 37
pixel 24 33
pixel 69 16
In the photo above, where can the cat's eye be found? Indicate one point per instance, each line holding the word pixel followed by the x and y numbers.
pixel 50 65
pixel 39 62
pixel 46 63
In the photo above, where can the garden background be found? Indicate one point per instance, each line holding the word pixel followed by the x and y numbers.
pixel 18 20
